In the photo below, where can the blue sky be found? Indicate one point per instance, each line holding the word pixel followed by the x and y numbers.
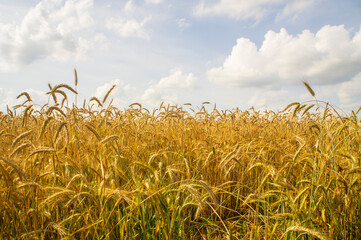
pixel 235 53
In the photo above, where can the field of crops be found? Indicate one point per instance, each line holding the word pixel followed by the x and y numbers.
pixel 177 172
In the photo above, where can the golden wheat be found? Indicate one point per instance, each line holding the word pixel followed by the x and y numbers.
pixel 108 93
pixel 172 173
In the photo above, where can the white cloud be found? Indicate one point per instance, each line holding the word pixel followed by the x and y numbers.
pixel 255 9
pixel 167 88
pixel 177 80
pixel 128 27
pixel 154 1
pixel 329 56
pixel 183 23
pixel 266 99
pixel 46 31
pixel 73 16
pixel 237 9
pixel 350 92
pixel 129 7
pixel 294 8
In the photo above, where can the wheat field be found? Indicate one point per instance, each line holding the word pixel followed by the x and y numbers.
pixel 178 172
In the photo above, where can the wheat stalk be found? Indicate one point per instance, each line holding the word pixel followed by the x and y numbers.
pixel 61 230
pixel 21 136
pixel 107 94
pixel 24 145
pixel 46 122
pixel 309 88
pixel 42 150
pixel 52 94
pixel 108 139
pixel 52 108
pixel 64 86
pixel 92 129
pixel 76 77
pixel 18 169
pixel 63 124
pixel 314 233
pixel 209 189
pixel 97 100
pixel 26 94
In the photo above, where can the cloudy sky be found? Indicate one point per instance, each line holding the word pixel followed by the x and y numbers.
pixel 235 53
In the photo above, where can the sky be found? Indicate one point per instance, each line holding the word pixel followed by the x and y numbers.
pixel 232 53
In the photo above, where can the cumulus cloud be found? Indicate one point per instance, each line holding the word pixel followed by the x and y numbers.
pixel 329 56
pixel 46 31
pixel 128 23
pixel 167 88
pixel 128 27
pixel 349 92
pixel 183 23
pixel 256 9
